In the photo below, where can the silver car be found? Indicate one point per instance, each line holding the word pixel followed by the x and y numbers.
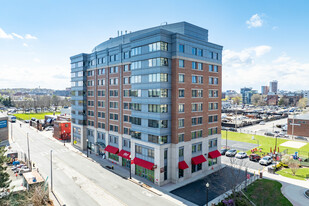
pixel 231 153
pixel 266 160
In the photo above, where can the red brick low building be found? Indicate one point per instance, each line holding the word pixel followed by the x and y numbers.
pixel 299 125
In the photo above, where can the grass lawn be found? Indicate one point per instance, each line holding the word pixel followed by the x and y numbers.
pixel 28 116
pixel 299 175
pixel 265 142
pixel 267 192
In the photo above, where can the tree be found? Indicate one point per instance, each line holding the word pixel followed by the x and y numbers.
pixel 286 159
pixel 283 101
pixel 302 103
pixel 236 100
pixel 55 101
pixel 294 166
pixel 256 99
pixel 4 176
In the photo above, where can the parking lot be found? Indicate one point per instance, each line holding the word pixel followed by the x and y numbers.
pixel 219 183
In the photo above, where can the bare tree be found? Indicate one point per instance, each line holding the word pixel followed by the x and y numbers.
pixel 294 166
pixel 302 103
pixel 236 100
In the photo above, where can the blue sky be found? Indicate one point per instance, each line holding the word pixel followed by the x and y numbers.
pixel 263 40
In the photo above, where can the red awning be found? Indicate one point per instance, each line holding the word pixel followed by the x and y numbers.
pixel 124 154
pixel 143 163
pixel 198 160
pixel 214 154
pixel 182 165
pixel 111 149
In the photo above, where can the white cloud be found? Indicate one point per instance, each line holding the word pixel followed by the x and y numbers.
pixel 25 45
pixel 255 21
pixel 291 75
pixel 244 57
pixel 4 35
pixel 29 36
pixel 36 60
pixel 18 36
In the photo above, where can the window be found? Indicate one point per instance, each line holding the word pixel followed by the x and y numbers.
pixel 158 108
pixel 136 135
pixel 181 48
pixel 181 78
pixel 113 93
pixel 180 173
pixel 157 46
pixel 101 82
pixel 126 55
pixel 90 83
pixel 136 106
pixel 196 121
pixel 126 80
pixel 113 70
pixel 136 79
pixel 197 66
pixel 126 131
pixel 113 105
pixel 193 65
pixel 181 108
pixel 90 73
pixel 90 93
pixel 197 79
pixel 138 149
pixel 157 62
pixel 181 93
pixel 101 93
pixel 157 93
pixel 213 93
pixel 197 107
pixel 136 93
pixel 136 65
pixel 113 81
pixel 210 68
pixel 101 104
pixel 212 106
pixel 200 52
pixel 213 81
pixel 181 63
pixel 181 137
pixel 197 93
pixel 150 153
pixel 136 51
pixel 159 77
pixel 181 123
pixel 194 51
pixel 215 68
pixel 213 118
pixel 136 120
pixel 126 68
pixel 181 151
pixel 196 134
pixel 157 123
pixel 194 148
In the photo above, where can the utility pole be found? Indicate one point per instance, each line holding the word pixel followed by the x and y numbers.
pixel 51 170
pixel 29 162
pixel 12 131
pixel 293 125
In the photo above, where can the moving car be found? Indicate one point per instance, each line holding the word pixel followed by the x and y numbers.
pixel 266 160
pixel 301 138
pixel 269 134
pixel 223 151
pixel 254 157
pixel 241 155
pixel 231 153
pixel 262 123
pixel 233 129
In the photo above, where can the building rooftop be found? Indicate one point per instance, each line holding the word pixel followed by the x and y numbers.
pixel 34 175
pixel 302 116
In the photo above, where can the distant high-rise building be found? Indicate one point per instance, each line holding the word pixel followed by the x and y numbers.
pixel 264 90
pixel 246 94
pixel 273 86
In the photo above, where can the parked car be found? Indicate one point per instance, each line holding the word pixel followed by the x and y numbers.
pixel 241 155
pixel 23 170
pixel 262 123
pixel 231 153
pixel 266 160
pixel 49 128
pixel 233 129
pixel 301 138
pixel 269 134
pixel 254 157
pixel 26 121
pixel 224 128
pixel 223 151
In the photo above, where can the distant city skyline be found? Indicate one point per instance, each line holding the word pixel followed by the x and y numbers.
pixel 259 39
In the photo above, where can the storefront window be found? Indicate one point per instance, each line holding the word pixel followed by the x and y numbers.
pixel 212 161
pixel 145 173
pixel 113 156
pixel 180 173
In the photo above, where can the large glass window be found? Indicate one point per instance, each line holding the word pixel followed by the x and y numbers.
pixel 181 48
pixel 157 123
pixel 158 108
pixel 159 77
pixel 158 62
pixel 136 51
pixel 157 93
pixel 157 46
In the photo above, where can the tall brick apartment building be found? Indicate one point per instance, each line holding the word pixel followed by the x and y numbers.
pixel 152 96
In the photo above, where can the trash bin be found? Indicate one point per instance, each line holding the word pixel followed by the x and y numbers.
pixel 261 174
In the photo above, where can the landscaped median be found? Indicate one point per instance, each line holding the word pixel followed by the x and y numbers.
pixel 301 174
pixel 261 192
pixel 265 143
pixel 28 116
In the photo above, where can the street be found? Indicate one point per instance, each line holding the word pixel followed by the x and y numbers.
pixel 76 179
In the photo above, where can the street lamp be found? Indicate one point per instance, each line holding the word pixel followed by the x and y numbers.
pixel 51 170
pixel 207 187
pixel 87 146
pixel 64 138
pixel 130 167
pixel 29 162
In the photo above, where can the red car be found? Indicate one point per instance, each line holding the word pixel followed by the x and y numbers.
pixel 254 157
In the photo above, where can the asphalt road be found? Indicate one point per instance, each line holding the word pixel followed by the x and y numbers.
pixel 261 129
pixel 77 181
pixel 241 146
